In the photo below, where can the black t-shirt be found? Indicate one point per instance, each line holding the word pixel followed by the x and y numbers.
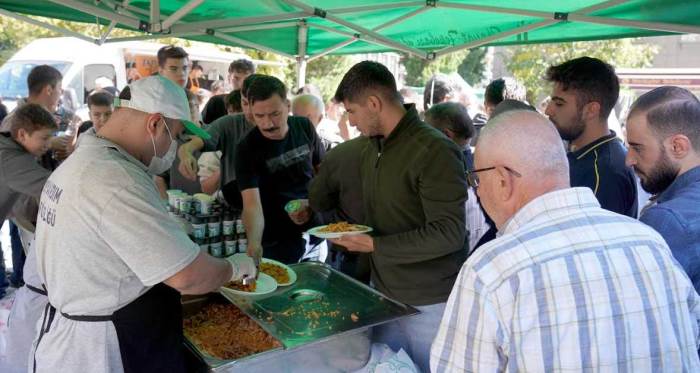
pixel 214 109
pixel 281 170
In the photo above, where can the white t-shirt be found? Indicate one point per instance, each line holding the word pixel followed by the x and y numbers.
pixel 103 238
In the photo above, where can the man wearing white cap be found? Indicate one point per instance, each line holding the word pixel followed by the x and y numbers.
pixel 112 260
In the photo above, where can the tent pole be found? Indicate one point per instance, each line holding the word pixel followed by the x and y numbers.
pixel 126 9
pixel 302 40
pixel 494 9
pixel 47 26
pixel 367 8
pixel 183 11
pixel 155 36
pixel 526 28
pixel 247 21
pixel 105 35
pixel 498 36
pixel 99 12
pixel 267 26
pixel 112 24
pixel 330 50
pixel 654 26
pixel 301 72
pixel 354 38
pixel 154 17
pixel 249 44
pixel 369 35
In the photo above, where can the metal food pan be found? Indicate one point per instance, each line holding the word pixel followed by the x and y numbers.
pixel 323 321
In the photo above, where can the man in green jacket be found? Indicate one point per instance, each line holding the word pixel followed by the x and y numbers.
pixel 414 189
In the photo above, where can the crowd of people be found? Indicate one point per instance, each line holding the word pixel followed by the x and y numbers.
pixel 518 234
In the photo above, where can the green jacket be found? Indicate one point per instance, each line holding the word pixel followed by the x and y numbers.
pixel 414 188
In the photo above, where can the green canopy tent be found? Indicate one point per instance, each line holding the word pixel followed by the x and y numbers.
pixel 309 29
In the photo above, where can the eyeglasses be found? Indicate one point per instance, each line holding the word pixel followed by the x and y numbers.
pixel 473 178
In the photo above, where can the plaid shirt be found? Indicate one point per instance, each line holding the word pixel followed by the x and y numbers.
pixel 569 286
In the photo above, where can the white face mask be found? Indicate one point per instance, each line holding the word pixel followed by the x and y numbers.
pixel 158 164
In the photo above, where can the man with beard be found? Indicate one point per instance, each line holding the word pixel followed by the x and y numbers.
pixel 584 93
pixel 663 131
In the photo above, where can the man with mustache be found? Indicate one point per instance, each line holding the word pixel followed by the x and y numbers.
pixel 584 93
pixel 275 162
pixel 663 132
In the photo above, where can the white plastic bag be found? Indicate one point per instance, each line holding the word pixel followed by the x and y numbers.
pixel 384 360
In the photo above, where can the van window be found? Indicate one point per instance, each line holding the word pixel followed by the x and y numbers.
pixel 98 71
pixel 73 95
pixel 13 76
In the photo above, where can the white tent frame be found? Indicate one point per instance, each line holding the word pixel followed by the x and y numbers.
pixel 152 23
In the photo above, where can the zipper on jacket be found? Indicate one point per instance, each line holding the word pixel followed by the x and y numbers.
pixel 379 153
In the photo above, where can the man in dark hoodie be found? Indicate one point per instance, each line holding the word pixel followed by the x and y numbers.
pixel 26 138
pixel 414 188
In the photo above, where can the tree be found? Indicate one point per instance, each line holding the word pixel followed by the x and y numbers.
pixel 528 63
pixel 473 66
pixel 469 64
pixel 16 34
pixel 325 73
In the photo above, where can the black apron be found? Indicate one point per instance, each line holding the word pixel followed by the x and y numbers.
pixel 149 330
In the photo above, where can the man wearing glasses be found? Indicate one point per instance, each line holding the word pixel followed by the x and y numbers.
pixel 566 285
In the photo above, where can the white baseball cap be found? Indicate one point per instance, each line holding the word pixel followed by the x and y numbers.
pixel 156 94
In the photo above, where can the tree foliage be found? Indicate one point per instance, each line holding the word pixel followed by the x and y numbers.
pixel 528 63
pixel 473 66
pixel 15 34
pixel 469 64
pixel 325 73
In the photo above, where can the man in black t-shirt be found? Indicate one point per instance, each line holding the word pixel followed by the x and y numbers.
pixel 274 164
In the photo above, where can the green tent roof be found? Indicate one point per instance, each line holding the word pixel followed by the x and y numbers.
pixel 424 28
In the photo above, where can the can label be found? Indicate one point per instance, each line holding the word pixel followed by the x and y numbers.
pixel 199 230
pixel 214 230
pixel 186 205
pixel 230 248
pixel 228 227
pixel 215 250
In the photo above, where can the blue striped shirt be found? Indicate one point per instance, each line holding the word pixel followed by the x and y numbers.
pixel 568 286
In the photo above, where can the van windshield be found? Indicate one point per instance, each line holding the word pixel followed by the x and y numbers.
pixel 13 76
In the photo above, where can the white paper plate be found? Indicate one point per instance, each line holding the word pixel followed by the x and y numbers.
pixel 264 285
pixel 315 232
pixel 290 272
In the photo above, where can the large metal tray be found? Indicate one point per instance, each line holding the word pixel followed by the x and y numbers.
pixel 322 303
pixel 312 320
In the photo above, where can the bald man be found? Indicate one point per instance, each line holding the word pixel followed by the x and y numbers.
pixel 312 108
pixel 567 285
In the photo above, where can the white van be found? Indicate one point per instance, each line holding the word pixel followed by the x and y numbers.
pixel 82 63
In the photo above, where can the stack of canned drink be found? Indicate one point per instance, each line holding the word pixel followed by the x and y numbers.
pixel 215 228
